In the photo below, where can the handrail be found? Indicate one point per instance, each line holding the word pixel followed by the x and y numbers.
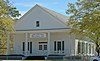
pixel 45 53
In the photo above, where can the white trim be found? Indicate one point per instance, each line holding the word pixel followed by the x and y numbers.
pixel 38 35
pixel 48 46
pixel 85 47
pixel 26 44
pixel 8 44
pixel 38 31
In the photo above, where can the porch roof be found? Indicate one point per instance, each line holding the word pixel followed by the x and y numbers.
pixel 44 30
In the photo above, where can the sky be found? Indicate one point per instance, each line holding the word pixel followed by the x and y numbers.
pixel 59 6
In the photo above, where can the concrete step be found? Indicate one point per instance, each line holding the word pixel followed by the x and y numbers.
pixel 55 57
pixel 35 58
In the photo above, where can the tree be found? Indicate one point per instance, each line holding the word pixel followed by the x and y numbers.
pixel 85 20
pixel 8 14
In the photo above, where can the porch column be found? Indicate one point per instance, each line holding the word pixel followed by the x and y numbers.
pixel 91 48
pixel 8 44
pixel 48 43
pixel 26 44
pixel 88 48
pixel 94 49
pixel 85 48
pixel 81 47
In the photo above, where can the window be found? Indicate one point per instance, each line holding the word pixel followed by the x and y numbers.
pixel 43 42
pixel 58 45
pixel 79 49
pixel 30 47
pixel 40 47
pixel 23 46
pixel 86 48
pixel 45 47
pixel 54 45
pixel 83 47
pixel 37 24
pixel 63 45
pixel 89 48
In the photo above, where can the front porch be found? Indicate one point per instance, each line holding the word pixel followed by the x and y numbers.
pixel 38 43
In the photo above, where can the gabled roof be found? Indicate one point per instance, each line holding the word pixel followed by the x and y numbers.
pixel 60 17
pixel 27 20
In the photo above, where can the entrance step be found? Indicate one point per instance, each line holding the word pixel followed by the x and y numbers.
pixel 35 58
pixel 55 57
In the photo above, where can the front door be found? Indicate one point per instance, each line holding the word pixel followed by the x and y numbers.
pixel 42 48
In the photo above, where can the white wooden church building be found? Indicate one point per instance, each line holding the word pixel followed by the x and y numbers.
pixel 43 32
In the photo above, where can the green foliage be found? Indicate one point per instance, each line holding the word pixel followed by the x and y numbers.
pixel 85 19
pixel 7 16
pixel 8 9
